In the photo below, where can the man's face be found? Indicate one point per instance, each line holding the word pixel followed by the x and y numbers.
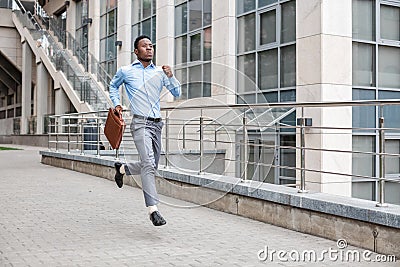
pixel 145 50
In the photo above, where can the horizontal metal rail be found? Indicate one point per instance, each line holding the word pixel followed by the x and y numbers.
pixel 199 135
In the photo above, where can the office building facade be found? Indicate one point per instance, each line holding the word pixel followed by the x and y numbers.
pixel 250 51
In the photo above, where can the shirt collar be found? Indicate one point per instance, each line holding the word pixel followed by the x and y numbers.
pixel 136 62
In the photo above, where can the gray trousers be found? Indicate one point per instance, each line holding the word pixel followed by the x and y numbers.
pixel 147 138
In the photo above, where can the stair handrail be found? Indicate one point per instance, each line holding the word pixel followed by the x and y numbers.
pixel 87 59
pixel 90 62
pixel 64 62
pixel 50 23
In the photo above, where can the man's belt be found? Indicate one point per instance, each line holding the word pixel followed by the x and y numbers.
pixel 147 118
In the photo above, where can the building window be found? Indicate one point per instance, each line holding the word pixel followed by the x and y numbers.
pixel 81 33
pixel 144 21
pixel 6 4
pixel 266 64
pixel 108 35
pixel 376 75
pixel 193 47
pixel 58 24
pixel 363 164
pixel 376 54
pixel 390 22
pixel 266 50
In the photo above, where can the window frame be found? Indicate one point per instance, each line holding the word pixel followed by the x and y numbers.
pixel 139 24
pixel 105 61
pixel 376 89
pixel 80 28
pixel 259 48
pixel 188 64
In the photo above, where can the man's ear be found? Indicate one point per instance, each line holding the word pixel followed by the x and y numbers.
pixel 136 51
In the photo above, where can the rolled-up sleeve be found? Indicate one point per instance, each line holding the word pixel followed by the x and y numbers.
pixel 173 85
pixel 115 83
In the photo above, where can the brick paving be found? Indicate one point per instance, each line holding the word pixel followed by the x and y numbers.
pixel 56 217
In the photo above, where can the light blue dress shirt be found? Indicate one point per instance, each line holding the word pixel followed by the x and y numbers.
pixel 143 87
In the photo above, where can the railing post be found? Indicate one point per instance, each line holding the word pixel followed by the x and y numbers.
pixel 381 130
pixel 77 127
pixel 69 130
pixel 57 129
pixel 201 144
pixel 48 142
pixel 302 123
pixel 245 141
pixel 82 137
pixel 117 154
pixel 166 140
pixel 49 133
pixel 98 133
pixel 302 157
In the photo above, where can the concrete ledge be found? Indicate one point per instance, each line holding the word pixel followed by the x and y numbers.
pixel 352 208
pixel 40 140
pixel 324 215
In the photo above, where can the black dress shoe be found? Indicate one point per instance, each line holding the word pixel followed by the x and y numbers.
pixel 118 175
pixel 157 219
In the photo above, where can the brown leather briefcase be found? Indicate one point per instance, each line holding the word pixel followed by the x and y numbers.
pixel 114 128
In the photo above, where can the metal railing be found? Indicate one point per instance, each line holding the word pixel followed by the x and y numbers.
pixel 17 126
pixel 194 138
pixel 55 26
pixel 76 132
pixel 83 84
pixel 32 124
pixel 88 61
pixel 50 23
pixel 85 58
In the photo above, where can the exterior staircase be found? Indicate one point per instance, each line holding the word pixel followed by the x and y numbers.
pixel 83 90
pixel 86 60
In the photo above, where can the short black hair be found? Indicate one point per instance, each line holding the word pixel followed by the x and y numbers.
pixel 137 40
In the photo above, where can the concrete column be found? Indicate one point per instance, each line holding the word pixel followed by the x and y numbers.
pixel 26 87
pixel 223 72
pixel 42 96
pixel 165 33
pixel 62 102
pixel 94 29
pixel 124 33
pixel 223 51
pixel 71 18
pixel 324 73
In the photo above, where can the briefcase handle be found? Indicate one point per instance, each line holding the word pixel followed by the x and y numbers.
pixel 118 115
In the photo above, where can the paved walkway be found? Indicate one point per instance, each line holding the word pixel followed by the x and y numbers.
pixel 56 217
